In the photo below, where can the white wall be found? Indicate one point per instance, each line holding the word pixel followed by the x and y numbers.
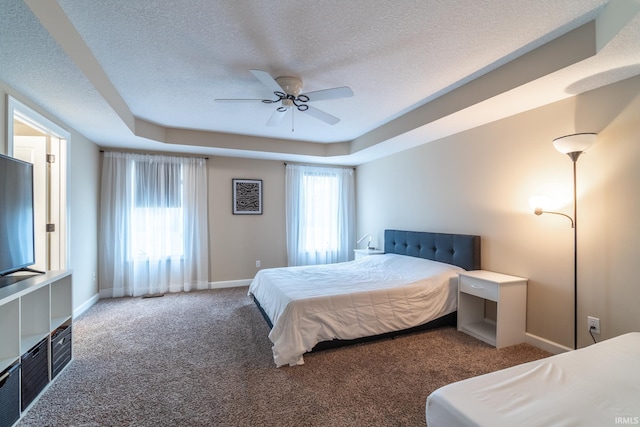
pixel 480 181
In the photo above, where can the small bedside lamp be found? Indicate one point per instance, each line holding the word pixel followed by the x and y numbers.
pixel 368 243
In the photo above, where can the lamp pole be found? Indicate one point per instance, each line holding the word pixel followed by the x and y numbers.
pixel 574 145
pixel 574 158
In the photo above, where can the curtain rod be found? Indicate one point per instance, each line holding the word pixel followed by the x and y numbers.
pixel 324 166
pixel 135 152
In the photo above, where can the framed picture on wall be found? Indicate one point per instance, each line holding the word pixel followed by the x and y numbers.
pixel 247 196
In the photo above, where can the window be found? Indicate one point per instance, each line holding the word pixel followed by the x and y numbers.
pixel 320 214
pixel 157 214
pixel 320 208
pixel 153 224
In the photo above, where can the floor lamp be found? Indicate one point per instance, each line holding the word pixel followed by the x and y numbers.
pixel 573 146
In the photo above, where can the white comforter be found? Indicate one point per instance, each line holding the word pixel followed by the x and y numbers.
pixel 369 296
pixel 597 385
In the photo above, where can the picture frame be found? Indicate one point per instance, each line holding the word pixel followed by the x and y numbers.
pixel 247 196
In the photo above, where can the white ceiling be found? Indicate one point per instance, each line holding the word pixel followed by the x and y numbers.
pixel 141 74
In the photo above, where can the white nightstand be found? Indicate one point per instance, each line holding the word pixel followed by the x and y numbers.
pixel 361 253
pixel 510 295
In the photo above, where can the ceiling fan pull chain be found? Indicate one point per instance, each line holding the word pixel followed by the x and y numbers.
pixel 292 114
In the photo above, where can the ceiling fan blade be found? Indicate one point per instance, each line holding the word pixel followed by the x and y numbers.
pixel 277 117
pixel 267 80
pixel 321 115
pixel 336 92
pixel 238 100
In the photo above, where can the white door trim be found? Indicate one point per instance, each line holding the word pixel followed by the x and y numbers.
pixel 16 109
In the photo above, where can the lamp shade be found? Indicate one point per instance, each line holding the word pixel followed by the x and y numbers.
pixel 364 237
pixel 576 143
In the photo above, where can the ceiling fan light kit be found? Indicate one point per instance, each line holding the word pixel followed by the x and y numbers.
pixel 287 90
pixel 290 85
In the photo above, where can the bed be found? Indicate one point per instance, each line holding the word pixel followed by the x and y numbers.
pixel 412 285
pixel 597 385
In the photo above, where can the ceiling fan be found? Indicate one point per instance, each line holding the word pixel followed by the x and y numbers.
pixel 287 92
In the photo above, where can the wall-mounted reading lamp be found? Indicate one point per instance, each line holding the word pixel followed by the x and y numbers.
pixel 368 243
pixel 573 146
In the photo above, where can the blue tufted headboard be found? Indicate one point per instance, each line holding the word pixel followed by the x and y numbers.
pixel 462 250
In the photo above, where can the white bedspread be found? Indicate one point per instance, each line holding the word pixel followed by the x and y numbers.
pixel 597 385
pixel 365 297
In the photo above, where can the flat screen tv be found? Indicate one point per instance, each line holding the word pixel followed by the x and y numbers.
pixel 17 246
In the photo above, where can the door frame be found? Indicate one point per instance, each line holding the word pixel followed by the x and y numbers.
pixel 16 109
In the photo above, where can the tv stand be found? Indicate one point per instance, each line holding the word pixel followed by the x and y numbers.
pixel 25 269
pixel 30 270
pixel 35 312
pixel 7 279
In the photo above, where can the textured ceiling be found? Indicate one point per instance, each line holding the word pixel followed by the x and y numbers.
pixel 145 74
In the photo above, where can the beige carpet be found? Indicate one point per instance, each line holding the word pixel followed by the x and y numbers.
pixel 204 359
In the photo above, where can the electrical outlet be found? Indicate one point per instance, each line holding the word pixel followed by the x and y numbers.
pixel 258 263
pixel 593 324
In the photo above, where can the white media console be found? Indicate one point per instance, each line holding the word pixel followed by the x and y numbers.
pixel 35 328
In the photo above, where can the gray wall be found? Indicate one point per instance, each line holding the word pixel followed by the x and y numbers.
pixel 84 190
pixel 236 242
pixel 480 182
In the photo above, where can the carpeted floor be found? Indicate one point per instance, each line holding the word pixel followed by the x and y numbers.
pixel 204 359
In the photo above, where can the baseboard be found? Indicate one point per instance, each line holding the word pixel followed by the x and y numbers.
pixel 108 293
pixel 545 344
pixel 84 307
pixel 229 284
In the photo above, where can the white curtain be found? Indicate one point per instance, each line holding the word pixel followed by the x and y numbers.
pixel 153 225
pixel 320 214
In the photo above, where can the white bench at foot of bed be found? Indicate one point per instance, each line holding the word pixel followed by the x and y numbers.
pixel 597 385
